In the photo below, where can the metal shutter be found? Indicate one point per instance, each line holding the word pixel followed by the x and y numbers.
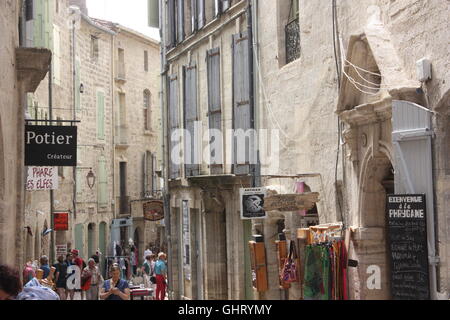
pixel 180 22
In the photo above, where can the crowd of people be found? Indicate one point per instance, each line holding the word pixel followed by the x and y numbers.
pixel 40 281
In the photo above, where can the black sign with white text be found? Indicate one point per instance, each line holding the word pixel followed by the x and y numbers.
pixel 408 247
pixel 54 146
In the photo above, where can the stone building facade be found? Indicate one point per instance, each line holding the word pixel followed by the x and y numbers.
pixel 335 136
pixel 86 89
pixel 22 69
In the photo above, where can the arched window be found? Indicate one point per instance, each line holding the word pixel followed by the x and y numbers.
pixel 147 109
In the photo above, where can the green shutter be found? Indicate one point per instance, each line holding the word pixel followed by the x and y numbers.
pixel 79 239
pixel 102 183
pixel 77 86
pixel 43 24
pixel 100 115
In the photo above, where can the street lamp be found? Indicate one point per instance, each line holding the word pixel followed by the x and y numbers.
pixel 90 178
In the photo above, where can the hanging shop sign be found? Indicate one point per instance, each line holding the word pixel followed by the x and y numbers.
pixel 408 247
pixel 153 210
pixel 51 146
pixel 61 221
pixel 61 250
pixel 291 202
pixel 42 178
pixel 252 203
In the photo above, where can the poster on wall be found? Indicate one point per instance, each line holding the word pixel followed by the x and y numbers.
pixel 407 229
pixel 186 241
pixel 252 203
pixel 42 178
pixel 51 146
pixel 61 250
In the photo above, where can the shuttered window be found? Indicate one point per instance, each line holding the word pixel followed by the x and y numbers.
pixel 214 110
pixel 43 25
pixel 100 115
pixel 241 104
pixel 191 146
pixel 171 26
pixel 201 13
pixel 174 124
pixel 180 22
pixel 102 183
pixel 226 4
pixel 194 23
pixel 148 174
pixel 56 55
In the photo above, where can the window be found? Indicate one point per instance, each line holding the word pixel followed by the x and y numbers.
pixel 100 115
pixel 145 60
pixel 214 110
pixel 29 10
pixel 102 183
pixel 94 47
pixel 174 125
pixel 121 63
pixel 292 31
pixel 148 169
pixel 147 109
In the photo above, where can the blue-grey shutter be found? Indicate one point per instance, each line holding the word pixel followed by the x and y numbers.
pixel 201 13
pixel 225 5
pixel 217 7
pixel 194 23
pixel 171 27
pixel 215 110
pixel 180 22
pixel 241 103
pixel 173 123
pixel 412 138
pixel 191 147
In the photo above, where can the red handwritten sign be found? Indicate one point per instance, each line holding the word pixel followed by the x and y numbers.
pixel 42 178
pixel 61 221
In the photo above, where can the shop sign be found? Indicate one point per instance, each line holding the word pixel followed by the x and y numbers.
pixel 51 146
pixel 42 178
pixel 291 202
pixel 252 203
pixel 407 228
pixel 61 221
pixel 61 250
pixel 153 210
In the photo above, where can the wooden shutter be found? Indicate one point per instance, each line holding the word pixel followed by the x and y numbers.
pixel 102 183
pixel 215 110
pixel 413 163
pixel 100 115
pixel 225 5
pixel 180 22
pixel 201 13
pixel 38 24
pixel 241 102
pixel 171 27
pixel 259 266
pixel 174 123
pixel 191 146
pixel 194 22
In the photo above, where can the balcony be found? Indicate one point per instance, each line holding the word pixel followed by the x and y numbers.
pixel 124 205
pixel 121 137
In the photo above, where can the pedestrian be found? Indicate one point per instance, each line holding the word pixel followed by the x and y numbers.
pixel 147 271
pixel 161 275
pixel 61 277
pixel 44 266
pixel 28 273
pixel 147 252
pixel 10 285
pixel 77 260
pixel 92 278
pixel 69 262
pixel 134 261
pixel 115 288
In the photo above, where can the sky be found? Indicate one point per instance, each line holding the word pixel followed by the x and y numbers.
pixel 129 13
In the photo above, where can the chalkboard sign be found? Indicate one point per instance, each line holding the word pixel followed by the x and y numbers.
pixel 408 247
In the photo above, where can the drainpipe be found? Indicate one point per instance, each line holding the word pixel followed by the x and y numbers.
pixel 74 169
pixel 50 115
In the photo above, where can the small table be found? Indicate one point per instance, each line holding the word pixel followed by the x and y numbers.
pixel 140 292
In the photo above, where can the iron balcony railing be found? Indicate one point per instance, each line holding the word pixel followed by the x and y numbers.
pixel 292 34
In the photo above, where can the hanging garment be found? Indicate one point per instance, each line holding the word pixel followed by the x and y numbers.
pixel 317 273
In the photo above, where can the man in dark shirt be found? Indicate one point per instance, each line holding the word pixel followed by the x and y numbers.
pixel 61 277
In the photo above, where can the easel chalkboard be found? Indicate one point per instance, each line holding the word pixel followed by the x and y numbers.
pixel 407 230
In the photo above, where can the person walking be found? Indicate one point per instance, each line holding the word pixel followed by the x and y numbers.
pixel 69 262
pixel 92 278
pixel 61 278
pixel 45 266
pixel 115 288
pixel 161 275
pixel 78 261
pixel 147 271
